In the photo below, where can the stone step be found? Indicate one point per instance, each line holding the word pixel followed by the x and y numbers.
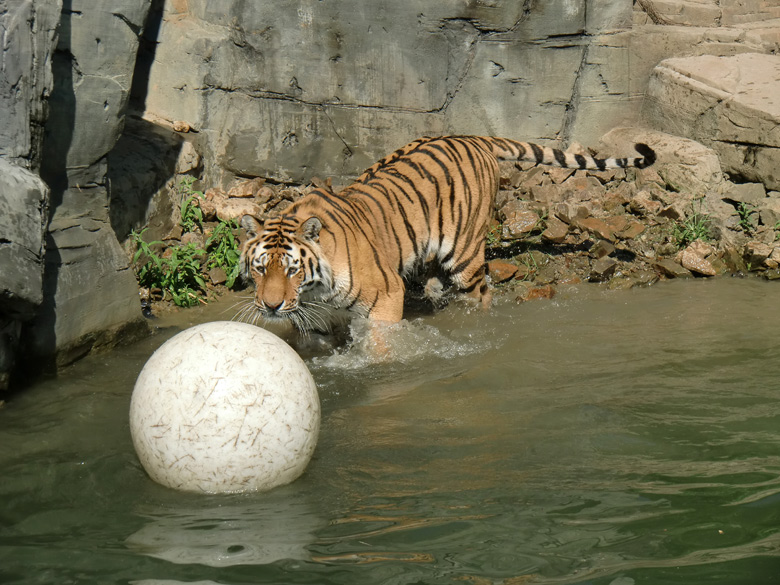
pixel 731 104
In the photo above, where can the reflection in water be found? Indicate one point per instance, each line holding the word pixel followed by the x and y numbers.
pixel 246 533
pixel 612 563
pixel 603 438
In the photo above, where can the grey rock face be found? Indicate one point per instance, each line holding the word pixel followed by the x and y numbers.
pixel 139 169
pixel 22 225
pixel 27 35
pixel 90 293
pixel 291 91
pixel 327 89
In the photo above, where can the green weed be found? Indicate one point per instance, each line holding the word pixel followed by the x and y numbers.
pixel 223 250
pixel 178 276
pixel 529 260
pixel 191 213
pixel 696 226
pixel 494 235
pixel 744 211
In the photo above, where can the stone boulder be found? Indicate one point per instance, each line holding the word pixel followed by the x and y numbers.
pixel 705 13
pixel 22 225
pixel 731 104
pixel 686 166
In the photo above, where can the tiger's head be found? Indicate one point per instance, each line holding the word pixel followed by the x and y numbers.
pixel 284 260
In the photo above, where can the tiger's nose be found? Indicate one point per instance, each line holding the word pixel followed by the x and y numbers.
pixel 273 306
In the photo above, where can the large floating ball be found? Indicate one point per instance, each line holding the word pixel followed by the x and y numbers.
pixel 224 407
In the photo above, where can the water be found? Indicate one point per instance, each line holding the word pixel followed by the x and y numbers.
pixel 611 438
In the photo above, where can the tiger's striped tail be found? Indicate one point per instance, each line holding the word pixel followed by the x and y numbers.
pixel 503 148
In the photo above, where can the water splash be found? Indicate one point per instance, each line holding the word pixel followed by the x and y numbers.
pixel 407 343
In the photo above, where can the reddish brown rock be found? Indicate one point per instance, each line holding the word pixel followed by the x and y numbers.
pixel 519 223
pixel 607 175
pixel 555 231
pixel 237 208
pixel 617 222
pixel 673 211
pixel 601 248
pixel 530 178
pixel 603 269
pixel 643 204
pixel 671 269
pixel 694 258
pixel 246 188
pixel 633 229
pixel 547 193
pixel 559 175
pixel 597 227
pixel 264 195
pixel 695 263
pixel 585 188
pixel 217 276
pixel 536 292
pixel 501 270
pixel 756 253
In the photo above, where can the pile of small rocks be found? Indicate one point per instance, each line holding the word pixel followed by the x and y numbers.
pixel 625 228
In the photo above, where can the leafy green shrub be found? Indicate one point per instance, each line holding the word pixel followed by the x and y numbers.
pixel 181 274
pixel 178 276
pixel 223 251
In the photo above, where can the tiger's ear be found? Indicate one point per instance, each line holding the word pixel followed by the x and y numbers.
pixel 251 226
pixel 310 230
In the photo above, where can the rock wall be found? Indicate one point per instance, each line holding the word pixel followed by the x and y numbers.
pixel 65 282
pixel 314 88
pixel 90 292
pixel 27 38
pixel 327 88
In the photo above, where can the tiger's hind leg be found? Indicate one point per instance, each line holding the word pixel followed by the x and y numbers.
pixel 472 282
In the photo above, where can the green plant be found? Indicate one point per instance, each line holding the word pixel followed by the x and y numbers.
pixel 696 226
pixel 178 275
pixel 191 213
pixel 494 235
pixel 745 210
pixel 529 260
pixel 223 251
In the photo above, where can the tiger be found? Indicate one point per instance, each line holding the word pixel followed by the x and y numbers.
pixel 428 202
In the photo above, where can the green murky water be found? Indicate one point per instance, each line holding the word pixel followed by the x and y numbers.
pixel 604 438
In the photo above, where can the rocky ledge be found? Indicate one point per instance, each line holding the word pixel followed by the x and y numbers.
pixel 681 218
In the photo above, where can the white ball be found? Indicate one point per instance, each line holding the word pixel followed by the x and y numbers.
pixel 224 407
